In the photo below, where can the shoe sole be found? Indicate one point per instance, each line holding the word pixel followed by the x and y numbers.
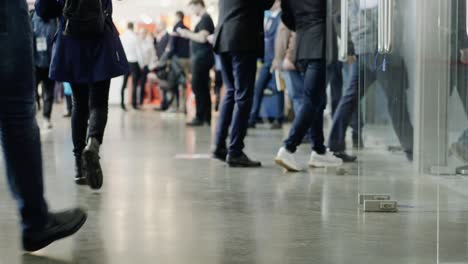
pixel 235 165
pixel 92 170
pixel 323 165
pixel 281 163
pixel 59 236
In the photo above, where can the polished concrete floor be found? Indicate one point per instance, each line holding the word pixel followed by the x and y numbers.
pixel 165 201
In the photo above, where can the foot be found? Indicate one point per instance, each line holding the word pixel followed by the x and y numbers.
pixel 124 108
pixel 220 154
pixel 286 159
pixel 346 158
pixel 195 123
pixel 252 125
pixel 409 155
pixel 80 179
pixel 136 108
pixel 47 124
pixel 242 161
pixel 67 115
pixel 324 161
pixel 92 170
pixel 358 143
pixel 60 225
pixel 276 125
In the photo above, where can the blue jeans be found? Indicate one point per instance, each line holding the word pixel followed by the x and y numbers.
pixel 310 115
pixel 18 128
pixel 238 70
pixel 294 82
pixel 335 77
pixel 363 74
pixel 264 77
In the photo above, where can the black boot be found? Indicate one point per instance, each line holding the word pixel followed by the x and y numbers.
pixel 79 178
pixel 91 166
pixel 59 225
pixel 242 161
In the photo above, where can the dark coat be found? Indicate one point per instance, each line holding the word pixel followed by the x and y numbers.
pixel 179 46
pixel 84 60
pixel 309 19
pixel 240 26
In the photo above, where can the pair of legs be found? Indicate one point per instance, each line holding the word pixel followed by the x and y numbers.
pixel 264 78
pixel 135 72
pixel 363 74
pixel 201 66
pixel 48 86
pixel 143 80
pixel 19 133
pixel 89 118
pixel 310 115
pixel 238 71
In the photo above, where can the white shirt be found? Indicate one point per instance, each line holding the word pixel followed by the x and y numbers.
pixel 148 50
pixel 133 47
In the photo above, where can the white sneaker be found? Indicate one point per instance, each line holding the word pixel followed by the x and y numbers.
pixel 324 161
pixel 286 159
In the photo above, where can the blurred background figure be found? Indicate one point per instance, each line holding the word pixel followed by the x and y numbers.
pixel 133 49
pixel 67 91
pixel 202 60
pixel 44 32
pixel 148 56
pixel 265 75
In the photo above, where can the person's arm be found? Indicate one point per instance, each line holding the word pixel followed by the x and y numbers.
pixel 281 45
pixel 200 37
pixel 48 9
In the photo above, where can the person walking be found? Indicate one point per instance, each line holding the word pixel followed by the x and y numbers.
pixel 133 50
pixel 308 19
pixel 202 61
pixel 44 32
pixel 95 60
pixel 20 138
pixel 239 41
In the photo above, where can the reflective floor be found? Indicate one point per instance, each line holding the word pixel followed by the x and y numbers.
pixel 165 201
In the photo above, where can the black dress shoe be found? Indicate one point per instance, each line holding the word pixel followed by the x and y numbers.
pixel 79 178
pixel 60 225
pixel 242 161
pixel 276 125
pixel 81 181
pixel 252 125
pixel 195 123
pixel 220 154
pixel 345 157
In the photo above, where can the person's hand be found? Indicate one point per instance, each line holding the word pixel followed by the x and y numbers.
pixel 351 59
pixel 211 39
pixel 174 34
pixel 288 65
pixel 464 56
pixel 275 66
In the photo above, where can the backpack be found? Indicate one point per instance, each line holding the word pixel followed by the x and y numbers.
pixel 84 18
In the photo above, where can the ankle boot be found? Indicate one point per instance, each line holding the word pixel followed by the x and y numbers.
pixel 91 165
pixel 79 178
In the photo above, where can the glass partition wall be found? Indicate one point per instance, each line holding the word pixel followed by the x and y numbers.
pixel 411 78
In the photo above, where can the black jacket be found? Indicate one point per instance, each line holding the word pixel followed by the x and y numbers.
pixel 240 26
pixel 309 19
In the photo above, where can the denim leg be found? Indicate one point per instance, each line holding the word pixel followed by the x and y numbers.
pixel 295 87
pixel 244 66
pixel 19 133
pixel 335 78
pixel 227 105
pixel 348 104
pixel 312 108
pixel 264 76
